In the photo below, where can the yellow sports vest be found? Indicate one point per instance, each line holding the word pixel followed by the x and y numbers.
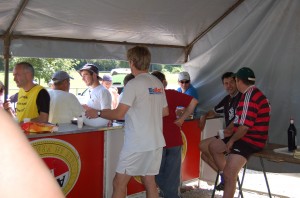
pixel 26 105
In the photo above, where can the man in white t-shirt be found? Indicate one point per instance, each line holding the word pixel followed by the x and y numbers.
pixel 98 96
pixel 143 105
pixel 63 105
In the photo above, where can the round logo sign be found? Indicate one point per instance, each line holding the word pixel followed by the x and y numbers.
pixel 62 159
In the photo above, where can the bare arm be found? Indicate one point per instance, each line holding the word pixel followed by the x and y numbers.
pixel 165 111
pixel 110 114
pixel 188 111
pixel 43 117
pixel 23 173
pixel 202 121
pixel 228 130
pixel 241 131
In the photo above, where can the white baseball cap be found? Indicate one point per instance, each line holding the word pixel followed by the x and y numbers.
pixel 183 76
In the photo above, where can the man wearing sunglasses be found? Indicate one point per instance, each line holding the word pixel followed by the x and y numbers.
pixel 186 87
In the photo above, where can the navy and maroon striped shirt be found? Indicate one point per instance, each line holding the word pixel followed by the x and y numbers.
pixel 253 111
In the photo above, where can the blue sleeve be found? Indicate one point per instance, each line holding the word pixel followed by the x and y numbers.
pixel 192 92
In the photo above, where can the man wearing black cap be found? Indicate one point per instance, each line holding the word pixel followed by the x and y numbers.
pixel 99 97
pixel 63 105
pixel 250 131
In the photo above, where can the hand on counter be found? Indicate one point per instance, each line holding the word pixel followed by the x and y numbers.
pixel 90 112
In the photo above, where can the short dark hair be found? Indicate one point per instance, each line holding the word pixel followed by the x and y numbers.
pixel 159 75
pixel 227 75
pixel 127 78
pixel 27 66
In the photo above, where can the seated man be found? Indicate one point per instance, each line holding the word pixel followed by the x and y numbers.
pixel 250 132
pixel 226 107
pixel 63 105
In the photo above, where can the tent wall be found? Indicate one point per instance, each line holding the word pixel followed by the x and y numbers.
pixel 262 35
pixel 89 50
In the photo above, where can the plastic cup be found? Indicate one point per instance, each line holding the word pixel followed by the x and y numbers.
pixel 221 134
pixel 80 122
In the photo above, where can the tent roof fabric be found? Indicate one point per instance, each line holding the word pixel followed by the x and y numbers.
pixel 158 24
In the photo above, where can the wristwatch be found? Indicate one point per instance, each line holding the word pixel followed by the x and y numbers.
pixel 99 113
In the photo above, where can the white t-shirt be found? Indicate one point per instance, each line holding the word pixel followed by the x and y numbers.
pixel 63 107
pixel 99 98
pixel 143 121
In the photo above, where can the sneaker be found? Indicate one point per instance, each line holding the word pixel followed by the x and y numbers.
pixel 220 186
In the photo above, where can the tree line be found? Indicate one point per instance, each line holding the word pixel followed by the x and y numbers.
pixel 45 67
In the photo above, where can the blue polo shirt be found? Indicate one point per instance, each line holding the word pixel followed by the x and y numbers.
pixel 190 91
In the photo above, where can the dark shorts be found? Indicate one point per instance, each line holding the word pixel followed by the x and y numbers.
pixel 225 140
pixel 244 149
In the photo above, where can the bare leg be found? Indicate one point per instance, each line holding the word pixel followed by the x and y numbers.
pixel 120 185
pixel 150 185
pixel 205 154
pixel 233 166
pixel 217 149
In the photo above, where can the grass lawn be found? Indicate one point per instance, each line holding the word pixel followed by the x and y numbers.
pixel 77 85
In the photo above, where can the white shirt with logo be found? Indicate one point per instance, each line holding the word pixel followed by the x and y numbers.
pixel 143 122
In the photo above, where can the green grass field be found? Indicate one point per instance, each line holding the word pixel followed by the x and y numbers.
pixel 77 85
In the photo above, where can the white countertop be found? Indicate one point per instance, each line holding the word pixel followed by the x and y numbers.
pixel 64 129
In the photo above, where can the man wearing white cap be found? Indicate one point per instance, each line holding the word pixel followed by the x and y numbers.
pixel 186 87
pixel 63 105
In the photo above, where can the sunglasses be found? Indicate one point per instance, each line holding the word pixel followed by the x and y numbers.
pixel 1 90
pixel 184 82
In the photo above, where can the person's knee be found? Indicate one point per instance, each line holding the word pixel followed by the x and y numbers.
pixel 119 184
pixel 212 147
pixel 148 181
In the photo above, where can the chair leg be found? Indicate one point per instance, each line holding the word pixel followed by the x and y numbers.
pixel 241 183
pixel 265 175
pixel 216 183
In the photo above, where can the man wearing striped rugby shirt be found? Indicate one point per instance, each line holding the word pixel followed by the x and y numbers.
pixel 250 131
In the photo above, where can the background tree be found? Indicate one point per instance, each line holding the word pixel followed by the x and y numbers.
pixel 45 67
pixel 156 67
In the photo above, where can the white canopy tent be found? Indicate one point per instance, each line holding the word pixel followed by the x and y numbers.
pixel 105 29
pixel 209 36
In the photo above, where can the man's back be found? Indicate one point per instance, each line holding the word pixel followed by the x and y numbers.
pixel 143 121
pixel 63 107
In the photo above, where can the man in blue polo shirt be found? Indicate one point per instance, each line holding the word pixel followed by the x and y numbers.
pixel 186 87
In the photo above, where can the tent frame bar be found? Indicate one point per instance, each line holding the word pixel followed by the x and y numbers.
pixel 190 46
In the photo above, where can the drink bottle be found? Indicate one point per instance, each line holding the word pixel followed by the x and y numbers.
pixel 292 136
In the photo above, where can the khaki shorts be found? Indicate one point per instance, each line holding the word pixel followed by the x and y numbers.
pixel 140 163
